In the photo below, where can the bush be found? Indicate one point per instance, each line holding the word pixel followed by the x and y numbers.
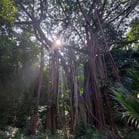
pixel 134 135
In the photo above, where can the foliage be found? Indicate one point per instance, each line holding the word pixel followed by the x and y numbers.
pixel 20 134
pixel 16 60
pixel 128 106
pixel 133 34
pixel 134 75
pixel 7 11
pixel 87 132
pixel 133 135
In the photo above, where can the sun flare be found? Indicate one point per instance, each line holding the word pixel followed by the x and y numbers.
pixel 58 42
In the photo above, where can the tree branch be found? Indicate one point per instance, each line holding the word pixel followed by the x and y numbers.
pixel 84 15
pixel 127 11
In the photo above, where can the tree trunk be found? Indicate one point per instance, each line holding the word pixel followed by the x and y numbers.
pixel 97 107
pixel 34 118
pixel 53 82
pixel 108 103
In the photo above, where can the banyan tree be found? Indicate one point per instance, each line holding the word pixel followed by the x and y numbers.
pixel 77 38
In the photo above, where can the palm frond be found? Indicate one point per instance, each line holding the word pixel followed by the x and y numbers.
pixel 130 106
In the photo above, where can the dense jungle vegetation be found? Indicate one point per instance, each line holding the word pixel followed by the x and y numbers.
pixel 69 69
